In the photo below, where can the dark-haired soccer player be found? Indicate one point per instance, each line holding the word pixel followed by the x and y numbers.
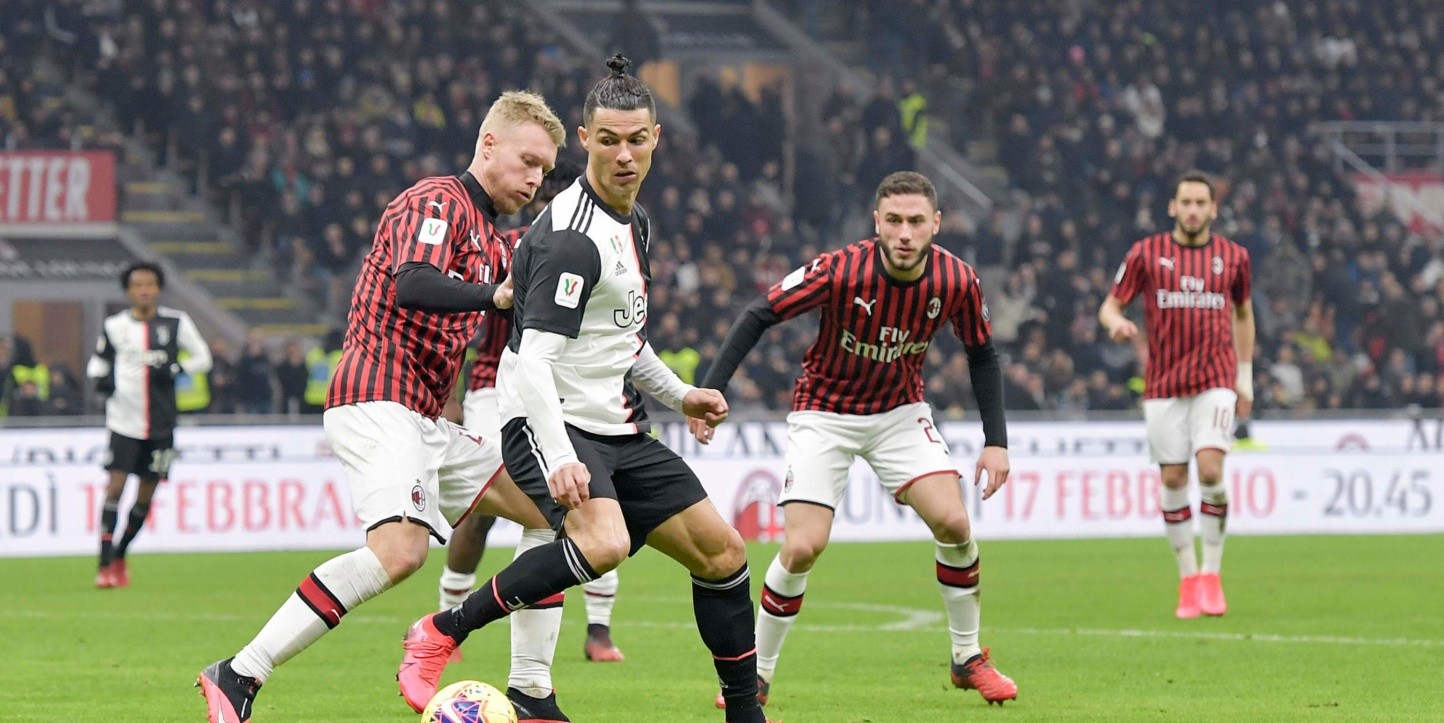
pixel 861 395
pixel 1195 286
pixel 575 433
pixel 136 361
pixel 533 630
pixel 418 302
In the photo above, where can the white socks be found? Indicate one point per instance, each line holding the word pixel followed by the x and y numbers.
pixel 601 596
pixel 455 587
pixel 534 631
pixel 1213 514
pixel 317 605
pixel 957 568
pixel 1178 522
pixel 781 601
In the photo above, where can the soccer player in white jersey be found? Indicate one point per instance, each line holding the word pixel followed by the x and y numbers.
pixel 575 436
pixel 136 361
pixel 533 630
pixel 881 301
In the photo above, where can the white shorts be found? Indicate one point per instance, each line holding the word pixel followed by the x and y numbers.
pixel 901 445
pixel 1181 426
pixel 401 465
pixel 481 412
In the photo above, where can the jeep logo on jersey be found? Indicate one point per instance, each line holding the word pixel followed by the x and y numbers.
pixel 432 232
pixel 635 312
pixel 935 307
pixel 418 497
pixel 569 290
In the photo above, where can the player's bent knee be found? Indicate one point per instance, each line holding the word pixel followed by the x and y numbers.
pixel 604 551
pixel 729 557
pixel 801 553
pixel 954 529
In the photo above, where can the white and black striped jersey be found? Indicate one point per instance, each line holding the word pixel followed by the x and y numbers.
pixel 143 359
pixel 581 271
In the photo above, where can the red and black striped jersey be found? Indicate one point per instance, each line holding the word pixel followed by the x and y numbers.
pixel 495 328
pixel 407 356
pixel 1189 293
pixel 874 331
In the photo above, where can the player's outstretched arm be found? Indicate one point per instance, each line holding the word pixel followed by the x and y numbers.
pixel 1117 325
pixel 653 376
pixel 422 287
pixel 756 319
pixel 986 374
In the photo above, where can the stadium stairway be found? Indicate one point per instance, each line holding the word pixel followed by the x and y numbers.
pixel 181 228
pixel 225 287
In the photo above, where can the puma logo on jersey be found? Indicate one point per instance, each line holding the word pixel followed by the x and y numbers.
pixel 866 305
pixel 440 205
pixel 1165 261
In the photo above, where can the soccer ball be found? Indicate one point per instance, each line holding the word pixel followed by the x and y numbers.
pixel 469 701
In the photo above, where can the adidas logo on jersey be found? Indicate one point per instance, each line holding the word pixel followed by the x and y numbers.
pixel 621 269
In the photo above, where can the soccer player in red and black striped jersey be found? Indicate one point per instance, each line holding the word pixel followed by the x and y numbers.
pixel 533 643
pixel 1195 286
pixel 861 394
pixel 421 294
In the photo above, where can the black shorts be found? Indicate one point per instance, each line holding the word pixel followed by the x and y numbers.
pixel 644 476
pixel 148 459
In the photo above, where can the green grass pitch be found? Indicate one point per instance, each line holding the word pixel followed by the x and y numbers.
pixel 1318 627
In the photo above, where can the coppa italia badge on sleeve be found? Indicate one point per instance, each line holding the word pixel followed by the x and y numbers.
pixel 569 290
pixel 433 232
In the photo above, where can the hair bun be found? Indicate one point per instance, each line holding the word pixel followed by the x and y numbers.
pixel 618 63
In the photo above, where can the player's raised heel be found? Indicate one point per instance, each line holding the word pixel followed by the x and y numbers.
pixel 536 710
pixel 1188 598
pixel 763 689
pixel 1210 594
pixel 228 695
pixel 599 648
pixel 977 673
pixel 425 654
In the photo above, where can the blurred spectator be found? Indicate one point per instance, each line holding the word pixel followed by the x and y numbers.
pixel 221 378
pixel 292 373
pixel 255 376
pixel 64 393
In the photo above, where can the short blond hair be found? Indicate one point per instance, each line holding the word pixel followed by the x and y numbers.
pixel 516 107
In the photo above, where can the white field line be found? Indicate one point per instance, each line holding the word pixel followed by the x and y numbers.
pixel 909 620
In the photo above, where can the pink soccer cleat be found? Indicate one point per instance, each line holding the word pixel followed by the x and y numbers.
pixel 1210 594
pixel 599 647
pixel 1188 598
pixel 426 652
pixel 763 689
pixel 119 573
pixel 977 673
pixel 229 695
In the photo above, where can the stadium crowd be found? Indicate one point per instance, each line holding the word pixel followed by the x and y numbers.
pixel 305 118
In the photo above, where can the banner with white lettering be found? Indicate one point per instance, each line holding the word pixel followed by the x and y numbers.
pixel 57 187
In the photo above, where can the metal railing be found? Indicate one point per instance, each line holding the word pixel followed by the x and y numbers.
pixel 1390 145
